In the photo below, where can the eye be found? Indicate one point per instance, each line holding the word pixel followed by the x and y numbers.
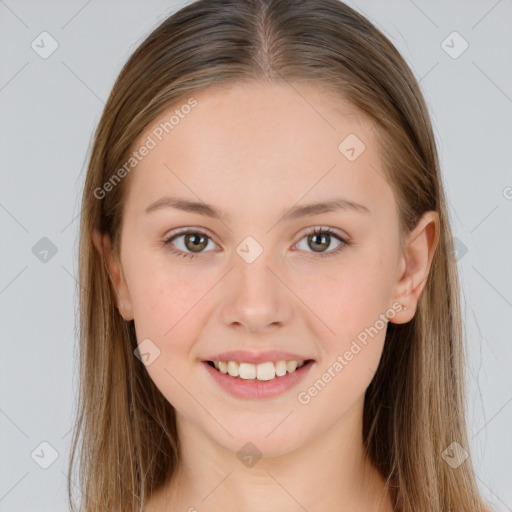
pixel 321 238
pixel 193 240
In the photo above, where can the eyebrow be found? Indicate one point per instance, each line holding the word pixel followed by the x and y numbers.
pixel 296 212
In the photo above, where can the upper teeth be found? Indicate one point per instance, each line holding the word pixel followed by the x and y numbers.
pixel 261 371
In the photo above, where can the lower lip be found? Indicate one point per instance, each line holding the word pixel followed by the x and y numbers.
pixel 254 389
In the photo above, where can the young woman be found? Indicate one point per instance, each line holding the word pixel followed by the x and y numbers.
pixel 269 300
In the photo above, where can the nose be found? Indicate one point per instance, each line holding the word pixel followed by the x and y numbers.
pixel 255 297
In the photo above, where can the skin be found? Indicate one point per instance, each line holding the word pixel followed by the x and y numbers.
pixel 254 151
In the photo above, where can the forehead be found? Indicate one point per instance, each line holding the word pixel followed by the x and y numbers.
pixel 273 141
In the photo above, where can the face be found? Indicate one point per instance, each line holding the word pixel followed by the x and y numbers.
pixel 257 277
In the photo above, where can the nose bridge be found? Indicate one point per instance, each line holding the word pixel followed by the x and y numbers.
pixel 256 298
pixel 253 257
pixel 255 283
pixel 255 277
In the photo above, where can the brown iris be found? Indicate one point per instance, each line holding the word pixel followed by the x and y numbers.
pixel 195 242
pixel 324 243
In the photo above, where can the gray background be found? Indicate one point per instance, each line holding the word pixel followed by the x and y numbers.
pixel 49 109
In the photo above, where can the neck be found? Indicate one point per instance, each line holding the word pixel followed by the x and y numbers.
pixel 327 472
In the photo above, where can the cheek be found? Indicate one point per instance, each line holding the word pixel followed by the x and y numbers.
pixel 349 297
pixel 352 304
pixel 164 297
pixel 165 302
pixel 168 310
pixel 353 307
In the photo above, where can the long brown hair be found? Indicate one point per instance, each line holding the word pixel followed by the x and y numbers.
pixel 414 407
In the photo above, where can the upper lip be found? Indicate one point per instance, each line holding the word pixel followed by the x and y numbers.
pixel 245 356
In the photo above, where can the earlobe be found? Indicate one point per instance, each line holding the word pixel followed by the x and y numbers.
pixel 415 264
pixel 104 247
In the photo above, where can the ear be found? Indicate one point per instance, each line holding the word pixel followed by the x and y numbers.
pixel 104 247
pixel 415 265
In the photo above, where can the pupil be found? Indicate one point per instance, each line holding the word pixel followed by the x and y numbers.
pixel 324 241
pixel 197 241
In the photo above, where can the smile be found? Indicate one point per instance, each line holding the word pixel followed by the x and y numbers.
pixel 256 381
pixel 262 371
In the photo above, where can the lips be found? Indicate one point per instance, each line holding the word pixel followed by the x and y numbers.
pixel 246 356
pixel 254 389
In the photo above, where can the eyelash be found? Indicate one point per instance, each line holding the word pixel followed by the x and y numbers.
pixel 314 231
